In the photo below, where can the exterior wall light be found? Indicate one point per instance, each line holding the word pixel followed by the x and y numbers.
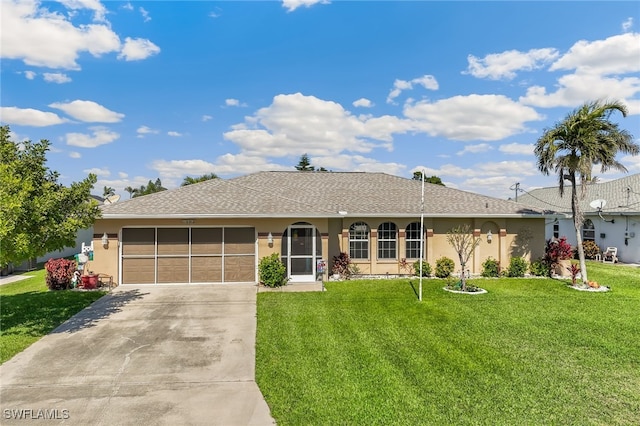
pixel 270 239
pixel 489 236
pixel 105 240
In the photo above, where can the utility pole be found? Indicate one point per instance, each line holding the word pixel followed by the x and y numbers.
pixel 517 188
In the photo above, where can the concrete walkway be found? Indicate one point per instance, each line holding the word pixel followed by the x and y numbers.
pixel 175 355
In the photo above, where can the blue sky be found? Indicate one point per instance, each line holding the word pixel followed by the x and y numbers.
pixel 133 91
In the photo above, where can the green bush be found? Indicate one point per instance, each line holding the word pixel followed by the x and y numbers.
pixel 517 267
pixel 272 271
pixel 426 268
pixel 491 268
pixel 444 267
pixel 591 249
pixel 539 268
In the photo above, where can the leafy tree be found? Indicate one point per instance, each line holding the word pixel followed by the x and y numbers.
pixel 190 180
pixel 464 243
pixel 131 191
pixel 38 214
pixel 585 138
pixel 304 165
pixel 107 191
pixel 433 179
pixel 150 188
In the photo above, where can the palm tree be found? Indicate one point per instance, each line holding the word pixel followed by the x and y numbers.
pixel 107 191
pixel 188 180
pixel 572 147
pixel 131 191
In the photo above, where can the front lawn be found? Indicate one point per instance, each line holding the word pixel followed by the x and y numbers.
pixel 531 351
pixel 28 311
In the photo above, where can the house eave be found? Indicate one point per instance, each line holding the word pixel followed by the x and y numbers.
pixel 328 216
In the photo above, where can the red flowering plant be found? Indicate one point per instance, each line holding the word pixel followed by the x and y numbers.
pixel 59 273
pixel 556 250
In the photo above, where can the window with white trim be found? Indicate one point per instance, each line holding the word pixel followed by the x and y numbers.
pixel 588 231
pixel 412 241
pixel 359 241
pixel 387 240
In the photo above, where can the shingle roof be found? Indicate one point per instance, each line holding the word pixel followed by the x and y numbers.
pixel 621 196
pixel 314 194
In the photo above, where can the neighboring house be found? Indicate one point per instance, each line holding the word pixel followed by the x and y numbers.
pixel 617 224
pixel 218 230
pixel 83 236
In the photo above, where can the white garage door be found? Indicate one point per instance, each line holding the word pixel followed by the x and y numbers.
pixel 188 255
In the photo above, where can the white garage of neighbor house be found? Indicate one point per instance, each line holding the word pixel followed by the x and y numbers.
pixel 217 231
pixel 616 224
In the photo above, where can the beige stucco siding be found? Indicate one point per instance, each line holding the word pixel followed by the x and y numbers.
pixel 510 237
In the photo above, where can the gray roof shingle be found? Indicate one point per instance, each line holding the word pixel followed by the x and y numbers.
pixel 314 194
pixel 621 196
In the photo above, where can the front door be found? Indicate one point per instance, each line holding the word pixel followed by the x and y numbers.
pixel 301 260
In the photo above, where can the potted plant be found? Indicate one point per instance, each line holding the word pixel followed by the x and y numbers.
pixel 558 254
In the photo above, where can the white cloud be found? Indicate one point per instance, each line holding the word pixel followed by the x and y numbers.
pixel 56 77
pixel 39 37
pixel 473 117
pixel 426 81
pixel 75 154
pixel 99 136
pixel 95 5
pixel 206 117
pixel 145 130
pixel 98 172
pixel 30 75
pixel 363 102
pixel 175 134
pixel 145 14
pixel 475 149
pixel 632 163
pixel 123 175
pixel 234 103
pixel 292 5
pixel 127 6
pixel 172 171
pixel 575 89
pixel 88 111
pixel 504 65
pixel 29 117
pixel 358 163
pixel 517 148
pixel 614 55
pixel 238 164
pixel 296 124
pixel 628 24
pixel 137 49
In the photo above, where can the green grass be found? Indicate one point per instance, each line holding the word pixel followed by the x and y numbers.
pixel 29 311
pixel 531 351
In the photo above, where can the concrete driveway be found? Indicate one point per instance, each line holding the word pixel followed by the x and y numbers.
pixel 174 355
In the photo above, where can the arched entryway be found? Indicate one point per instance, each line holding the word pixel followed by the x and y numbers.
pixel 301 251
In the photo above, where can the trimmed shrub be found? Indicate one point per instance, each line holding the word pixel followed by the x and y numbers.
pixel 444 267
pixel 59 273
pixel 426 268
pixel 591 249
pixel 491 268
pixel 272 271
pixel 517 267
pixel 539 268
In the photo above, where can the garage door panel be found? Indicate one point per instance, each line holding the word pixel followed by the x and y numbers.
pixel 138 271
pixel 138 241
pixel 206 241
pixel 173 241
pixel 206 269
pixel 183 255
pixel 173 270
pixel 239 240
pixel 239 268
